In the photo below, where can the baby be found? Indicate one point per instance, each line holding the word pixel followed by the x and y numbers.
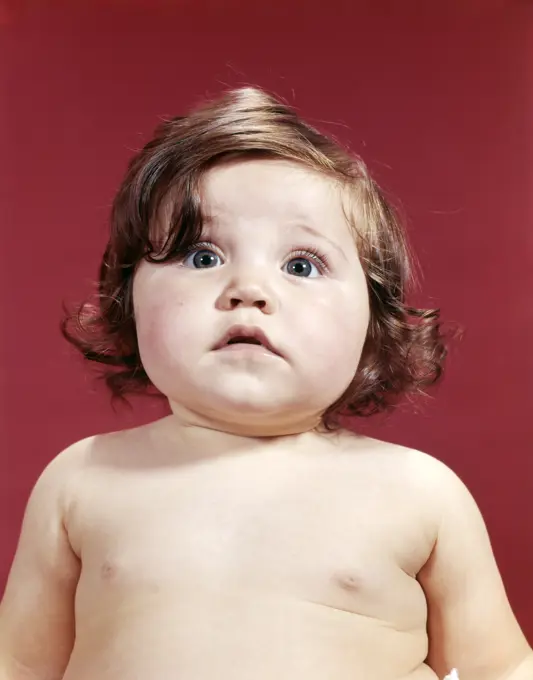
pixel 255 276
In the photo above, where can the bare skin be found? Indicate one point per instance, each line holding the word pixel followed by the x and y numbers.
pixel 294 561
pixel 231 540
pixel 311 556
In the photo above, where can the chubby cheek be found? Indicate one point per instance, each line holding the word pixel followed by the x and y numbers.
pixel 165 334
pixel 334 334
pixel 156 332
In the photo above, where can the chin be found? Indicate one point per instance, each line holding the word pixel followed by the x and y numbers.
pixel 261 408
pixel 243 401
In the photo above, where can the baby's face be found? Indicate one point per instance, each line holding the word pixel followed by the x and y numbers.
pixel 278 262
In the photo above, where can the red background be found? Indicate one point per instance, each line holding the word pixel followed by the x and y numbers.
pixel 435 96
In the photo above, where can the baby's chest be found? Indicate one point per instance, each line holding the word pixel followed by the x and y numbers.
pixel 337 545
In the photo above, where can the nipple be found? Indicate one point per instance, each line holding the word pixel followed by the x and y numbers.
pixel 348 580
pixel 108 570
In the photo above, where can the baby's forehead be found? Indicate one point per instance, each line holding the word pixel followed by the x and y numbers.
pixel 275 189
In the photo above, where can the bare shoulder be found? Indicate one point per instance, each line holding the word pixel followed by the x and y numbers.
pixel 65 473
pixel 61 472
pixel 416 462
pixel 433 482
pixel 139 446
pixel 96 451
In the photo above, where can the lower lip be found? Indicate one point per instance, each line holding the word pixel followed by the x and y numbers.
pixel 243 348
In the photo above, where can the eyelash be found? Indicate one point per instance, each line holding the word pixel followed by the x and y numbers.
pixel 312 253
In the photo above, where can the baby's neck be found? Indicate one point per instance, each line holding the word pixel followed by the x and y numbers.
pixel 211 439
pixel 247 428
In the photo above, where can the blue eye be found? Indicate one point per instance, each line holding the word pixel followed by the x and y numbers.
pixel 302 267
pixel 203 258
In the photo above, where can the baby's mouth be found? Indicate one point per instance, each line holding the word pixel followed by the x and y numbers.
pixel 246 337
pixel 242 339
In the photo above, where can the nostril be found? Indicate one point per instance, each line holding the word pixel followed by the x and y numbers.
pixel 235 302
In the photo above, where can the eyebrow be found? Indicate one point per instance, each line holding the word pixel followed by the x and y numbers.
pixel 317 234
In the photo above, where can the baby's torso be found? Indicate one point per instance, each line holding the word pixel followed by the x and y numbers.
pixel 267 566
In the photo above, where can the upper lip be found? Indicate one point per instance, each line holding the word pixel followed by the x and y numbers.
pixel 251 332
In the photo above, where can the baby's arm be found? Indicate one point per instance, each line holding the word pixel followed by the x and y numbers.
pixel 471 625
pixel 37 610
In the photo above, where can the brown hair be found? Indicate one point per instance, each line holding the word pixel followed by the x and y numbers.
pixel 404 350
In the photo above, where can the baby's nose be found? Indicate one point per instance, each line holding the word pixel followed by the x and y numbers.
pixel 248 292
pixel 249 301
